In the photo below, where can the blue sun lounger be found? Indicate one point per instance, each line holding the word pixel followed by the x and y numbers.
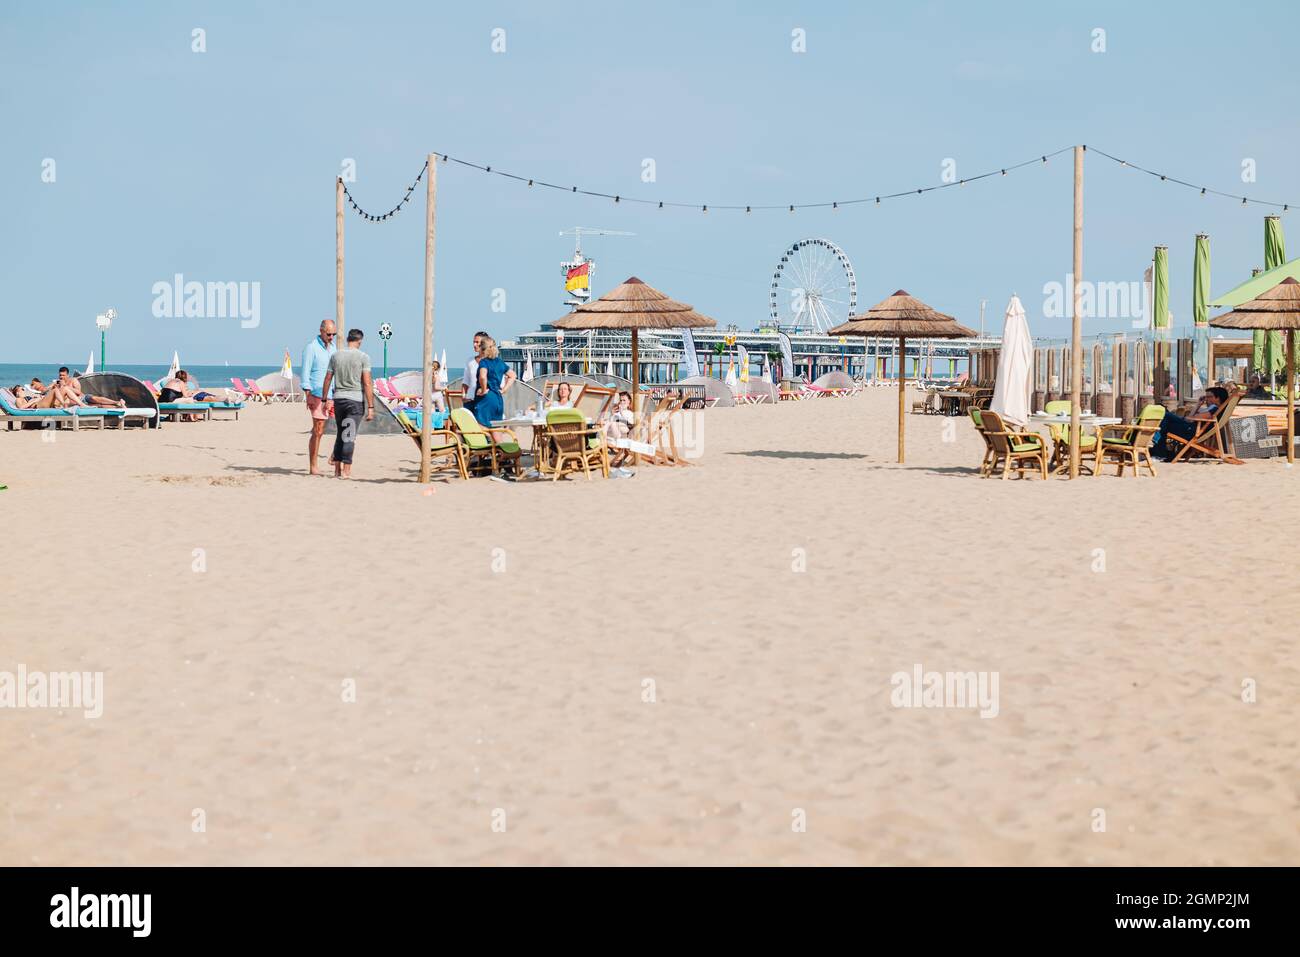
pixel 14 414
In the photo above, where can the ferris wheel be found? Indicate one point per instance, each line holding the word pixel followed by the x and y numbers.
pixel 813 287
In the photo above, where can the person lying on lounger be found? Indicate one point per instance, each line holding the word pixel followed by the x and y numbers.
pixel 65 393
pixel 22 400
pixel 1185 427
pixel 178 389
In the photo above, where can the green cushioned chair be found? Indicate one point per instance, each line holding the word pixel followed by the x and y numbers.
pixel 1011 447
pixel 570 444
pixel 1132 446
pixel 497 444
pixel 443 443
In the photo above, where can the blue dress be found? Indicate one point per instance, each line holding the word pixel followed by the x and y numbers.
pixel 491 406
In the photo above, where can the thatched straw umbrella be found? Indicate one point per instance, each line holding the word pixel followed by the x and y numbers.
pixel 1276 309
pixel 634 305
pixel 902 317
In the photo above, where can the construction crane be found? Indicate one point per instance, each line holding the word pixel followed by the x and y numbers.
pixel 577 271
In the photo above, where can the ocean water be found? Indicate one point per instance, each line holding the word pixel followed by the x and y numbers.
pixel 213 377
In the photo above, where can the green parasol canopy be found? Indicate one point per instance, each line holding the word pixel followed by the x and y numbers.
pixel 1269 352
pixel 1201 282
pixel 1160 289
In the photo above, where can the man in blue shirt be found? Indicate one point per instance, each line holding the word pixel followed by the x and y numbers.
pixel 315 362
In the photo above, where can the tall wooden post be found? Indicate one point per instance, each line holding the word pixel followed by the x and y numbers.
pixel 338 258
pixel 1076 327
pixel 426 397
pixel 902 386
pixel 1290 397
pixel 636 385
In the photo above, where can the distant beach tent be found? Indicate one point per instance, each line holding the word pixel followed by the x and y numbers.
pixel 1278 309
pixel 1015 367
pixel 902 317
pixel 834 380
pixel 273 383
pixel 759 387
pixel 716 393
pixel 634 305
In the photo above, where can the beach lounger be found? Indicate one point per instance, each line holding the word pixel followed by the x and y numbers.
pixel 443 443
pixel 177 409
pixel 225 406
pixel 595 402
pixel 1209 440
pixel 498 444
pixel 572 445
pixel 1012 447
pixel 1133 445
pixel 74 416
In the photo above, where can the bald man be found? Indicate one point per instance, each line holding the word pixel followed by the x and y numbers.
pixel 315 362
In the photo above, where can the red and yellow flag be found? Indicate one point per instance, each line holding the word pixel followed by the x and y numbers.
pixel 576 278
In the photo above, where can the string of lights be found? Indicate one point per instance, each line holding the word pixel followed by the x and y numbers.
pixel 1204 190
pixel 1040 160
pixel 380 217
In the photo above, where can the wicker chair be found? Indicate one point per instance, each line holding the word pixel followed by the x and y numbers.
pixel 572 445
pixel 1012 447
pixel 1133 447
pixel 497 445
pixel 443 444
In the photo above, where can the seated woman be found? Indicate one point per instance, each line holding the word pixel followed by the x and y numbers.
pixel 618 424
pixel 563 398
pixel 1185 426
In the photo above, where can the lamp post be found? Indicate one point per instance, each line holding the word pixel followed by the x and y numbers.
pixel 559 351
pixel 104 322
pixel 385 333
pixel 844 356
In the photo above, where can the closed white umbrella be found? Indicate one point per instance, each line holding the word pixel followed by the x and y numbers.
pixel 1015 367
pixel 90 363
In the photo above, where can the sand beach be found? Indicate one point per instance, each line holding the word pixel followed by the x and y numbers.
pixel 682 667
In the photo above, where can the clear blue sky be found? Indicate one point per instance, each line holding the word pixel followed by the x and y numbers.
pixel 220 165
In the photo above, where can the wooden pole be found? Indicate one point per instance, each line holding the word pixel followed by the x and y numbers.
pixel 338 257
pixel 426 396
pixel 1076 327
pixel 902 382
pixel 1290 397
pixel 636 384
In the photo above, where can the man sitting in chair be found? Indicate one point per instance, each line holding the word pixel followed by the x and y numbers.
pixel 1185 426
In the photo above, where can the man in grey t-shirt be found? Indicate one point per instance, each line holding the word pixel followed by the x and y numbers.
pixel 349 372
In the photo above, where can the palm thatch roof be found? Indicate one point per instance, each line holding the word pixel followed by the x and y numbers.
pixel 1278 308
pixel 903 316
pixel 634 305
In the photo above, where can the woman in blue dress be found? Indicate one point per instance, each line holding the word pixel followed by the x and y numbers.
pixel 493 379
